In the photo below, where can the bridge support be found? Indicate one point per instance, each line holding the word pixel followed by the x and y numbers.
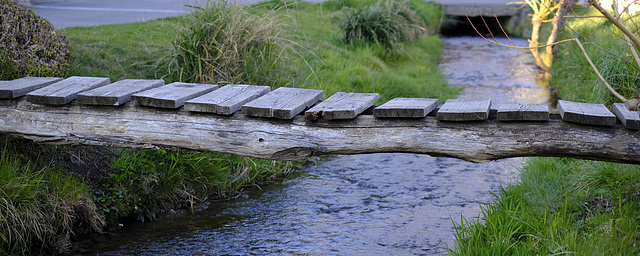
pixel 299 138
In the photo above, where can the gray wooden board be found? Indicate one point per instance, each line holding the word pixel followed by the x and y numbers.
pixel 342 105
pixel 406 108
pixel 226 100
pixel 172 95
pixel 527 112
pixel 22 86
pixel 464 110
pixel 65 91
pixel 585 113
pixel 629 119
pixel 117 93
pixel 283 103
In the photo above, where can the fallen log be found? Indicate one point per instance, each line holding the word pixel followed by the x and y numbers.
pixel 299 138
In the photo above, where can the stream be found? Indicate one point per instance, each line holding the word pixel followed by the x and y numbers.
pixel 371 204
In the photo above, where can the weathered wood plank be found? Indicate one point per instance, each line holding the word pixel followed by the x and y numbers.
pixel 117 93
pixel 172 95
pixel 586 113
pixel 131 126
pixel 342 105
pixel 226 100
pixel 406 108
pixel 629 119
pixel 65 91
pixel 518 112
pixel 20 87
pixel 283 103
pixel 464 110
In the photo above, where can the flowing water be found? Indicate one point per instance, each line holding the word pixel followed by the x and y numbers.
pixel 374 204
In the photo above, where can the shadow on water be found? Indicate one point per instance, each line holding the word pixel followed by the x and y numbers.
pixel 373 204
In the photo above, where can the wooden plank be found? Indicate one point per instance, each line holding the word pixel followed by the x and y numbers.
pixel 283 103
pixel 464 110
pixel 226 100
pixel 527 112
pixel 406 108
pixel 65 91
pixel 20 87
pixel 299 139
pixel 172 95
pixel 586 113
pixel 117 93
pixel 629 119
pixel 342 105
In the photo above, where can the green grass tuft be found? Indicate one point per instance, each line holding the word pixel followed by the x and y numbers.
pixel 561 206
pixel 42 207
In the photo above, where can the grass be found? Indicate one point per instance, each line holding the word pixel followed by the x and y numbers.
pixel 117 51
pixel 324 62
pixel 567 206
pixel 560 206
pixel 42 208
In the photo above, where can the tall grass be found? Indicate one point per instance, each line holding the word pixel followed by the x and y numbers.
pixel 225 43
pixel 44 208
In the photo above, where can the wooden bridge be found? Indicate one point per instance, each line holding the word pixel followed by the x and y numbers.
pixel 294 123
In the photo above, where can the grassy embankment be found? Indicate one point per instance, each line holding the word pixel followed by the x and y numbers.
pixel 568 206
pixel 50 195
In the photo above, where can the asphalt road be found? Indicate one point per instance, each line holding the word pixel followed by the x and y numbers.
pixel 77 13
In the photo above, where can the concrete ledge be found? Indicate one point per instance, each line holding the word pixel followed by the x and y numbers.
pixel 23 2
pixel 481 10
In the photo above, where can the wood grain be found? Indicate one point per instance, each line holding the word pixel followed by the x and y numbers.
pixel 342 105
pixel 518 112
pixel 283 103
pixel 131 126
pixel 22 86
pixel 226 100
pixel 117 93
pixel 464 110
pixel 172 95
pixel 65 91
pixel 629 119
pixel 586 113
pixel 406 108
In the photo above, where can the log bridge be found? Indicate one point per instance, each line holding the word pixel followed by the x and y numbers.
pixel 295 123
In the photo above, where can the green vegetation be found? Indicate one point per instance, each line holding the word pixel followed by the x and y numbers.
pixel 42 207
pixel 385 23
pixel 224 43
pixel 560 206
pixel 103 185
pixel 30 45
pixel 567 206
pixel 585 86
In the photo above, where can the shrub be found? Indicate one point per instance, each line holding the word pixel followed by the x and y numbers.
pixel 224 43
pixel 386 23
pixel 29 45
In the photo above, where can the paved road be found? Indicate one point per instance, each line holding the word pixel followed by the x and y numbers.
pixel 74 13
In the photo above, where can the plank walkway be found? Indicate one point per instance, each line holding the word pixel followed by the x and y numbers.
pixel 147 113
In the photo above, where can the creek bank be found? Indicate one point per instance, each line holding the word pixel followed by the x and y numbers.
pixel 398 204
